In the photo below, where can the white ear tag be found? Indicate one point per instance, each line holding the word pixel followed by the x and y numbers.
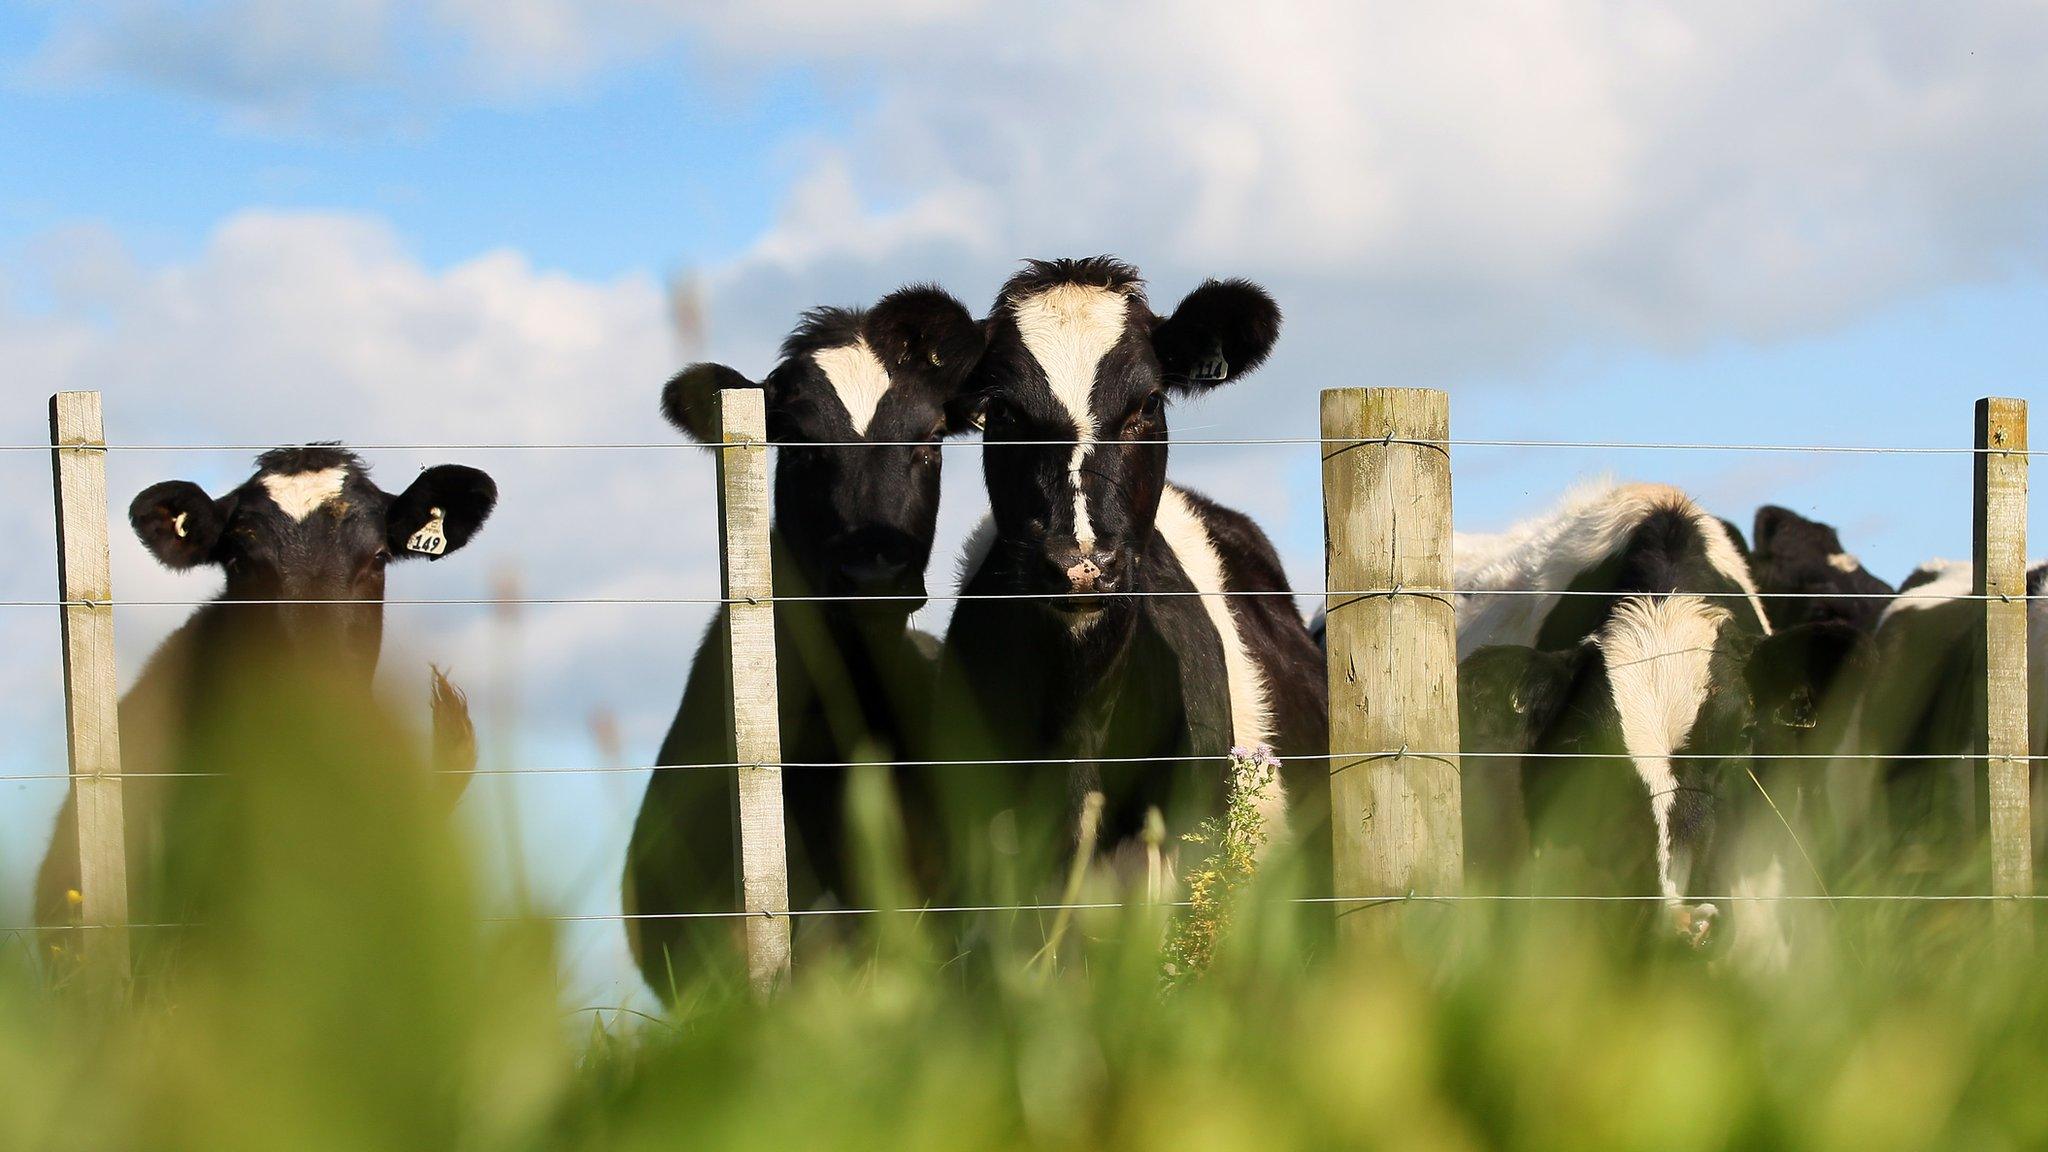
pixel 432 538
pixel 178 524
pixel 1211 367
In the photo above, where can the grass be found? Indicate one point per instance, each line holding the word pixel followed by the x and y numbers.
pixel 347 993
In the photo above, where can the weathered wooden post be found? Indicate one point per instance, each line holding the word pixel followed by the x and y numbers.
pixel 78 462
pixel 1999 553
pixel 748 587
pixel 1396 826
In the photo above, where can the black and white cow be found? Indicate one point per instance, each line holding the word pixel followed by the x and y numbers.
pixel 1918 726
pixel 1120 636
pixel 303 545
pixel 1790 554
pixel 879 388
pixel 1662 658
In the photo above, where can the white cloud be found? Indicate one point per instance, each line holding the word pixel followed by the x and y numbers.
pixel 293 327
pixel 1466 182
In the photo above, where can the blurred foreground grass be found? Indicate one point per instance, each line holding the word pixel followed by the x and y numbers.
pixel 347 993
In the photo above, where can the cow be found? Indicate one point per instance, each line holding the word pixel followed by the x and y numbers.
pixel 863 398
pixel 1919 722
pixel 1648 644
pixel 303 545
pixel 1804 575
pixel 1106 613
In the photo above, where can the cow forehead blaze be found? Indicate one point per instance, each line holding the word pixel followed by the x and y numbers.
pixel 1068 329
pixel 857 377
pixel 300 494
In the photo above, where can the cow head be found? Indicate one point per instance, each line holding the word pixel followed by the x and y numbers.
pixel 311 531
pixel 1670 686
pixel 1073 391
pixel 1794 554
pixel 855 521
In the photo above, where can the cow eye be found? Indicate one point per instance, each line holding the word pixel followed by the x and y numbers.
pixel 1146 416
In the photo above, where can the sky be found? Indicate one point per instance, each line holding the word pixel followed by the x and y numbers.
pixel 453 222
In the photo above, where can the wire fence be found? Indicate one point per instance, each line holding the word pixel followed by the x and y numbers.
pixel 963 597
pixel 1175 442
pixel 1335 597
pixel 1339 902
pixel 1075 762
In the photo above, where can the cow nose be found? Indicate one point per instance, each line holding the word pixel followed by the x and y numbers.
pixel 1093 570
pixel 872 570
pixel 1694 922
pixel 874 558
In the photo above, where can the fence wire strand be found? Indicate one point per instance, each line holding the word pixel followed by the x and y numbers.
pixel 1344 903
pixel 966 597
pixel 1174 442
pixel 1348 903
pixel 1344 758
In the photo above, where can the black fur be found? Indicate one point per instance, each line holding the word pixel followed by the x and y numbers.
pixel 853 680
pixel 1792 555
pixel 1106 671
pixel 1221 331
pixel 242 644
pixel 1920 730
pixel 1766 697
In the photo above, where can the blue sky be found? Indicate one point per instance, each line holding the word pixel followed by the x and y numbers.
pixel 454 222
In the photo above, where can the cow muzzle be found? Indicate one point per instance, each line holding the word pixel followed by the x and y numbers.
pixel 1694 923
pixel 1086 576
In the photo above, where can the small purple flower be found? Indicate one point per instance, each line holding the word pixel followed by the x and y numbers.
pixel 1255 756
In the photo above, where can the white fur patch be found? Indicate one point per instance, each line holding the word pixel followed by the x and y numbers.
pixel 1957 578
pixel 974 553
pixel 301 494
pixel 1952 579
pixel 1068 330
pixel 1549 551
pixel 1763 938
pixel 1657 654
pixel 1251 712
pixel 857 375
pixel 1843 562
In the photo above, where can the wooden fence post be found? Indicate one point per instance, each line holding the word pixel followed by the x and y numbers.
pixel 78 462
pixel 748 585
pixel 1999 553
pixel 1396 825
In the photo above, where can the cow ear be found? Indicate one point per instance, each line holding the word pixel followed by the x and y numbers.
pixel 440 511
pixel 179 523
pixel 924 329
pixel 690 398
pixel 1222 331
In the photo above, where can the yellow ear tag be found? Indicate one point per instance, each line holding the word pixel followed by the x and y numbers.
pixel 432 538
pixel 178 524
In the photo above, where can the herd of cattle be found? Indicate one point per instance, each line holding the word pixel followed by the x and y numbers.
pixel 1682 714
